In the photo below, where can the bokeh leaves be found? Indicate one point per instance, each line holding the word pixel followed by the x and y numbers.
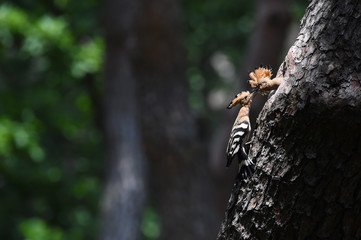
pixel 50 141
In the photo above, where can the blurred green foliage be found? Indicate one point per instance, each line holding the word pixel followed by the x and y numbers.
pixel 50 141
pixel 38 229
pixel 150 227
pixel 51 153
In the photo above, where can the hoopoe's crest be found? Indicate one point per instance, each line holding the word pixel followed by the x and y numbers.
pixel 260 75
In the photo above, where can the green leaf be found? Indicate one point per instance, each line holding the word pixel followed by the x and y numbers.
pixel 151 224
pixel 37 229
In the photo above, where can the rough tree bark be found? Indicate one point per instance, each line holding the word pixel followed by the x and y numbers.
pixel 124 193
pixel 307 144
pixel 180 185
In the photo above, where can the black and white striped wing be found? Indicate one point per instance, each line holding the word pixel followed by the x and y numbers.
pixel 238 137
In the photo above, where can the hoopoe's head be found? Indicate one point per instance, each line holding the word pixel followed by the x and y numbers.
pixel 243 99
pixel 259 76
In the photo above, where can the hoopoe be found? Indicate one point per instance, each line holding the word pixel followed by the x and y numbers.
pixel 240 134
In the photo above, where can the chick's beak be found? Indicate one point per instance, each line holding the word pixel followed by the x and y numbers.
pixel 255 90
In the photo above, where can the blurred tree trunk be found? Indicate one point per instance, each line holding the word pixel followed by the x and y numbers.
pixel 124 193
pixel 266 44
pixel 308 141
pixel 145 82
pixel 180 184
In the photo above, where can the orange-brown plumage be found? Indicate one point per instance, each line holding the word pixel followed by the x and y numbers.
pixel 261 78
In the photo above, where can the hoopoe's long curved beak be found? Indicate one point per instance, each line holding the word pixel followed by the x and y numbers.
pixel 235 101
pixel 232 104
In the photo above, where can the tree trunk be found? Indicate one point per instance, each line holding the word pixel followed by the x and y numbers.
pixel 307 144
pixel 124 193
pixel 180 185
